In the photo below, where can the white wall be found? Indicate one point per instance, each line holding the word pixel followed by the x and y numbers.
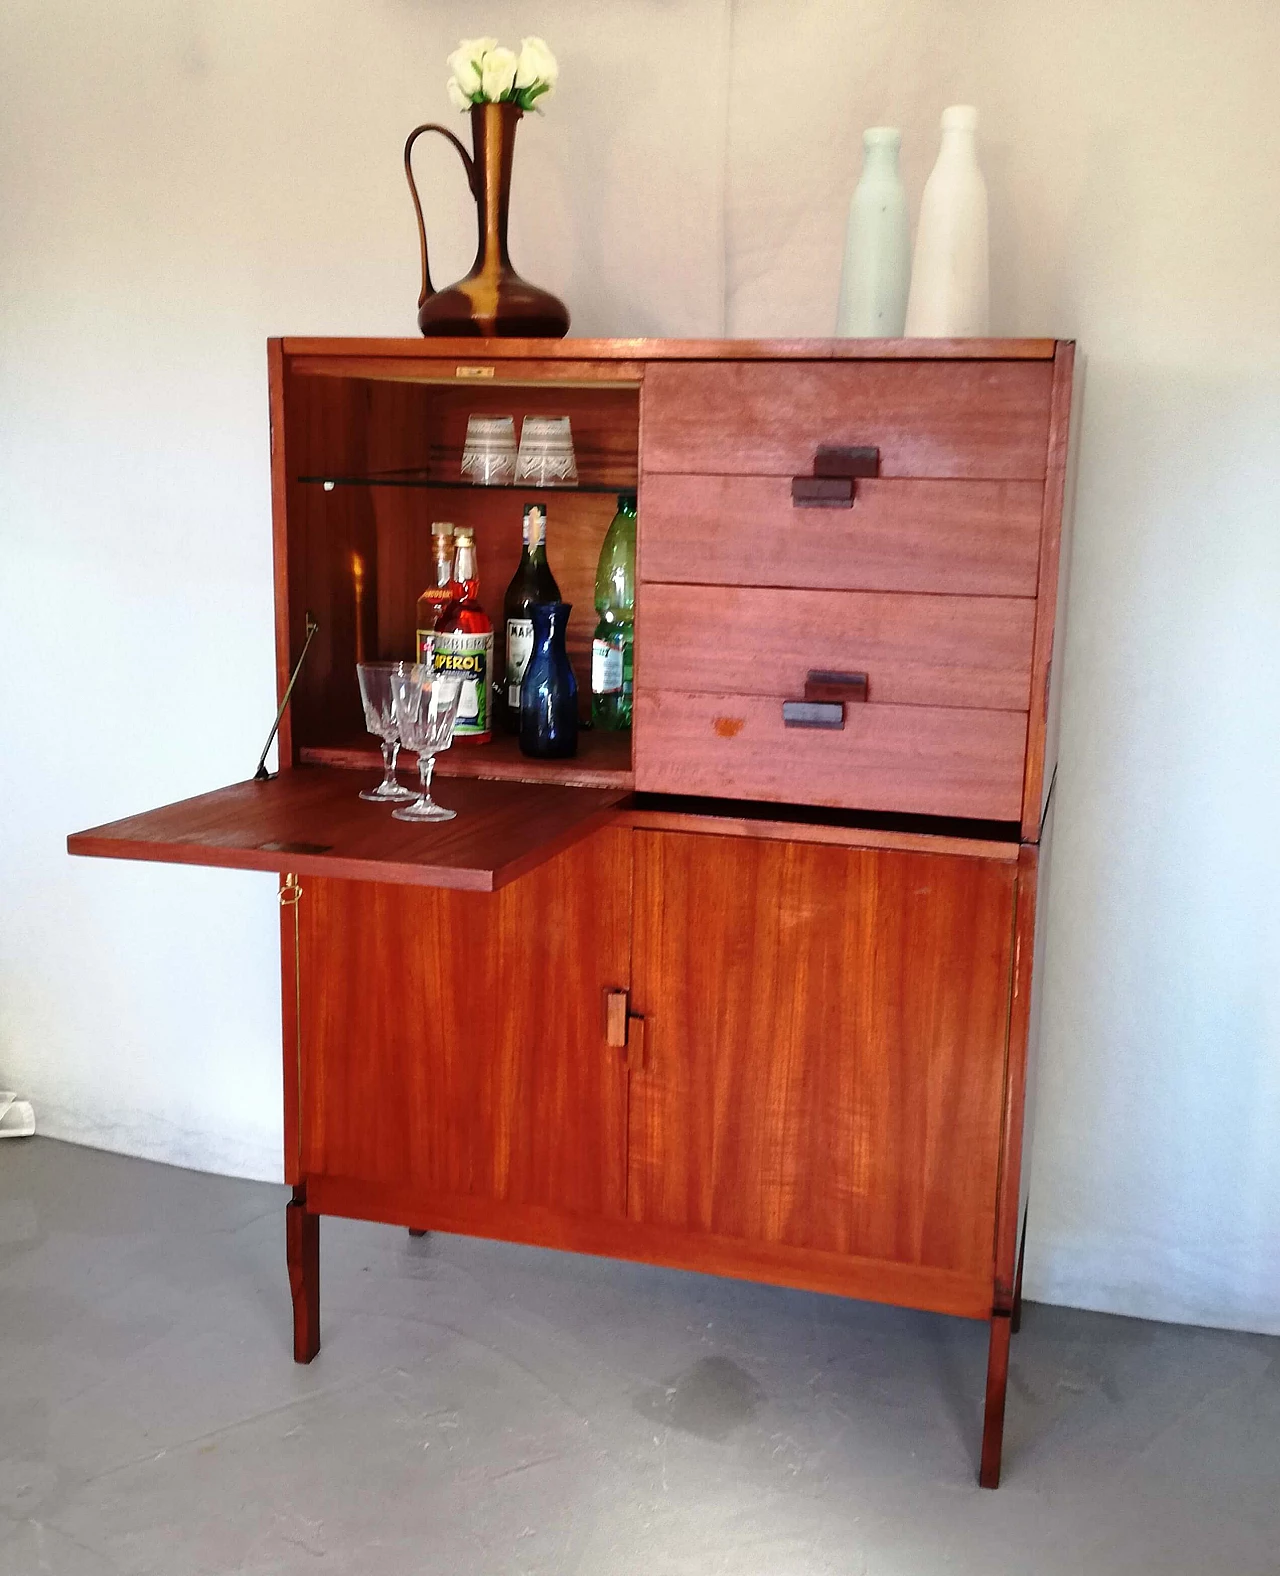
pixel 178 181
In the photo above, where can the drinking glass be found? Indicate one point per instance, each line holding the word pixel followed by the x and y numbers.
pixel 426 704
pixel 380 719
pixel 546 452
pixel 489 453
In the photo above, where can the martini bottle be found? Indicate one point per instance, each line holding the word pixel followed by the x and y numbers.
pixel 532 583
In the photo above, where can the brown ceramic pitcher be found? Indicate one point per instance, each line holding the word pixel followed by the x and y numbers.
pixel 492 299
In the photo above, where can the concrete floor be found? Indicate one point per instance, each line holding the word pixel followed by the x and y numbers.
pixel 489 1409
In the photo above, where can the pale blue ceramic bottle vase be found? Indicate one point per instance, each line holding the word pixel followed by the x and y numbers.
pixel 876 275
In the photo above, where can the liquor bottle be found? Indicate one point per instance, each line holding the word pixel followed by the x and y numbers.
pixel 611 649
pixel 464 643
pixel 532 582
pixel 442 591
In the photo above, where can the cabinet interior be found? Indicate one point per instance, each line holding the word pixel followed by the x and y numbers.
pixel 371 463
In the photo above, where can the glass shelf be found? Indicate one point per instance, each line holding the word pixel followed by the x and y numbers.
pixel 423 478
pixel 603 760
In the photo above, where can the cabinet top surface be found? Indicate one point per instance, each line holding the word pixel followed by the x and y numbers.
pixel 681 349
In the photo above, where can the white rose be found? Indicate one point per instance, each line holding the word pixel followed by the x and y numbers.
pixel 467 62
pixel 497 74
pixel 536 65
pixel 457 97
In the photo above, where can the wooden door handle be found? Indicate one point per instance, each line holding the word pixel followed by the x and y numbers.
pixel 624 1030
pixel 637 1042
pixel 615 1019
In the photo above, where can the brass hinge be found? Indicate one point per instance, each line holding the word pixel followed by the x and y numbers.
pixel 290 891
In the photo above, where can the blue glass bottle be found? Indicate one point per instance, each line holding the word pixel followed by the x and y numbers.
pixel 549 691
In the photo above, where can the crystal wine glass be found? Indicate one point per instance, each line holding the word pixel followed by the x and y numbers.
pixel 426 704
pixel 380 719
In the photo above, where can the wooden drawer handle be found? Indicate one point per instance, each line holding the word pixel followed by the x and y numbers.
pixel 835 471
pixel 813 714
pixel 822 492
pixel 826 695
pixel 846 687
pixel 831 460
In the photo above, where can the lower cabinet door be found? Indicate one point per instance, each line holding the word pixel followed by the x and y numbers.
pixel 452 1043
pixel 825 1033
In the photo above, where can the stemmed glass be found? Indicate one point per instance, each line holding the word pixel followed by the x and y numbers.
pixel 426 704
pixel 380 719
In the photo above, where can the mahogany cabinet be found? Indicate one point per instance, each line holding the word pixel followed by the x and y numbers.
pixel 752 992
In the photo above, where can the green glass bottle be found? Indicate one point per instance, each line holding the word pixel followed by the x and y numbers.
pixel 532 583
pixel 611 649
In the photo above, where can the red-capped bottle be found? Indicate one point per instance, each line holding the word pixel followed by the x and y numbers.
pixel 464 643
pixel 437 596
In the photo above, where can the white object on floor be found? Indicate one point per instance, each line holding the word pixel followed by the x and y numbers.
pixel 950 278
pixel 17 1119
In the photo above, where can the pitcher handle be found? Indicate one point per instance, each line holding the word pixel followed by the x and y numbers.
pixel 470 167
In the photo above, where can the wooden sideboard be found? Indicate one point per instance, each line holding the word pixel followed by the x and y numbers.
pixel 752 993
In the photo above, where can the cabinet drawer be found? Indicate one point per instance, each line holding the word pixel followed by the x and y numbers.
pixel 915 760
pixel 981 419
pixel 960 651
pixel 953 536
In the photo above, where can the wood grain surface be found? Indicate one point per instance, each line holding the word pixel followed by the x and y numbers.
pixel 278 399
pixel 310 820
pixel 481 367
pixel 1015 1146
pixel 981 538
pixel 915 650
pixel 983 420
pixel 825 1041
pixel 642 350
pixel 713 824
pixel 454 1042
pixel 1046 679
pixel 302 1254
pixel 922 760
pixel 964 1295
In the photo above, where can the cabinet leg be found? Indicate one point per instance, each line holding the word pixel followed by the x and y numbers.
pixel 1015 1319
pixel 997 1383
pixel 302 1247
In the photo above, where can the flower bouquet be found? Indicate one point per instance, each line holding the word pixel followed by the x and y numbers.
pixel 483 72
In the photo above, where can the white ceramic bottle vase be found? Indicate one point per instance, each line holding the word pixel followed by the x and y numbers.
pixel 877 247
pixel 950 278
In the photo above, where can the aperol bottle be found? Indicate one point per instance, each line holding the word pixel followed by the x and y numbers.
pixel 464 643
